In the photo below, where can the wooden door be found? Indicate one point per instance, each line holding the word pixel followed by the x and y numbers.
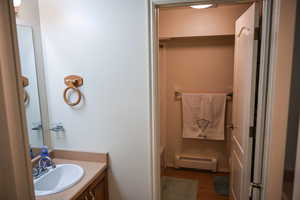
pixel 245 64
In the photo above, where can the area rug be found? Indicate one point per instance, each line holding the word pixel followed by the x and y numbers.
pixel 221 185
pixel 179 189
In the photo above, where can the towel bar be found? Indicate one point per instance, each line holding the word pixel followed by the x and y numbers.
pixel 178 95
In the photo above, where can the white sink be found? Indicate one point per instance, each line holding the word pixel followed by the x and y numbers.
pixel 58 179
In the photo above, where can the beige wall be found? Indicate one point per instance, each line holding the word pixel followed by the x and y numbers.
pixel 196 65
pixel 186 22
pixel 163 94
pixel 292 154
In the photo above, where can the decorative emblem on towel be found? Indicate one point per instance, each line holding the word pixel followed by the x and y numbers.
pixel 203 125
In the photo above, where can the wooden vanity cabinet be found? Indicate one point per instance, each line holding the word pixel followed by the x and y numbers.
pixel 97 190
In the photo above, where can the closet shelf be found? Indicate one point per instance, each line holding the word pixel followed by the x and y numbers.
pixel 197 36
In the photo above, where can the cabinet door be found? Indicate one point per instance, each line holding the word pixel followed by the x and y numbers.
pixel 99 191
pixel 83 196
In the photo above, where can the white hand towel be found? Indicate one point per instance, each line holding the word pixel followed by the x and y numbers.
pixel 204 116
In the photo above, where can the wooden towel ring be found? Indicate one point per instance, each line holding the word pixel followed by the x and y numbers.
pixel 67 99
pixel 73 82
pixel 26 97
pixel 25 83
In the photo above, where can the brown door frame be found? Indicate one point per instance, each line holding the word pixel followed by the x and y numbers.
pixel 15 165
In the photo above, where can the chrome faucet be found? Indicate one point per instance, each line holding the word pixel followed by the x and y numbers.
pixel 38 127
pixel 58 128
pixel 43 162
pixel 43 167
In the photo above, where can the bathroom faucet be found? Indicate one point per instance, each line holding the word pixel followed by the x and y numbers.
pixel 58 128
pixel 43 167
pixel 43 163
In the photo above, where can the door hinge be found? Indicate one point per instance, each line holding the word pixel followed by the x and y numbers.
pixel 256 185
pixel 253 186
pixel 257 33
pixel 252 132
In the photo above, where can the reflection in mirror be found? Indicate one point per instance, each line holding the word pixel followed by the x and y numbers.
pixel 30 86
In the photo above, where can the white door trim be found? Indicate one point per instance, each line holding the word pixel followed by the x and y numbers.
pixel 262 98
pixel 154 107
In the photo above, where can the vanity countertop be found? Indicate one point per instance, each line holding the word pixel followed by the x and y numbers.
pixel 92 170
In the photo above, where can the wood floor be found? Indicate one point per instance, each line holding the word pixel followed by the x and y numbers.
pixel 206 188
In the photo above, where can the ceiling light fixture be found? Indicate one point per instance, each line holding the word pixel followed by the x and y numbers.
pixel 17 3
pixel 201 6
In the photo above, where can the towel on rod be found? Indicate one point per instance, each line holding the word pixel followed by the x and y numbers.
pixel 204 115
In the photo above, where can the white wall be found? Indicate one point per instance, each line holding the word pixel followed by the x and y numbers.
pixel 106 43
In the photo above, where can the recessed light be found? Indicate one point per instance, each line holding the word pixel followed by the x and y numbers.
pixel 201 6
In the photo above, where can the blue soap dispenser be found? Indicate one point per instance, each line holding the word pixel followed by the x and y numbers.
pixel 44 156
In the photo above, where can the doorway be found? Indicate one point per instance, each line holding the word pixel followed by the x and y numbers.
pixel 207 52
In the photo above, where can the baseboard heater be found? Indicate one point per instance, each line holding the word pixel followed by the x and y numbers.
pixel 196 162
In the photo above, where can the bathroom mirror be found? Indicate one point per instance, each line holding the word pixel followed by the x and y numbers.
pixel 30 87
